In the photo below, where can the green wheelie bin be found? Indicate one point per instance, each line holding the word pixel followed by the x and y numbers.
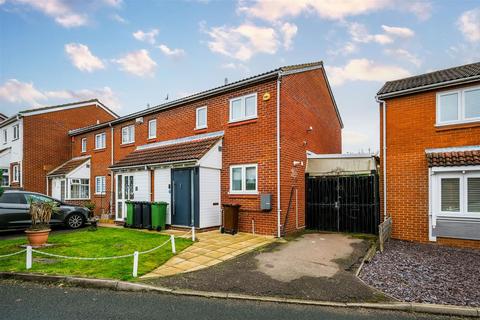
pixel 159 215
pixel 129 219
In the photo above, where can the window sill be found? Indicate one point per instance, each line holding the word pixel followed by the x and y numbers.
pixel 151 139
pixel 243 195
pixel 99 194
pixel 126 145
pixel 99 150
pixel 460 125
pixel 242 122
pixel 200 130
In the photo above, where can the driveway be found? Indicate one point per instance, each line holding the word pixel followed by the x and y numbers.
pixel 317 266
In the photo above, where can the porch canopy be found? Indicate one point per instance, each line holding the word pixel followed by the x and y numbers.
pixel 451 157
pixel 68 167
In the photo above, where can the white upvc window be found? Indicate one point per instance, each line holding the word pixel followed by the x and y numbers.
pixel 244 179
pixel 84 144
pixel 5 182
pixel 458 106
pixel 152 129
pixel 100 185
pixel 16 173
pixel 456 193
pixel 201 118
pixel 79 189
pixel 100 141
pixel 5 136
pixel 16 132
pixel 243 108
pixel 128 134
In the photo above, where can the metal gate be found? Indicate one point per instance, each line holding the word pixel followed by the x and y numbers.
pixel 343 203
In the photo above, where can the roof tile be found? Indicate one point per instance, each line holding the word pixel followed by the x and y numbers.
pixel 68 166
pixel 454 158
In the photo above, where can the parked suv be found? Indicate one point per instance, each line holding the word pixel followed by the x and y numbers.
pixel 14 211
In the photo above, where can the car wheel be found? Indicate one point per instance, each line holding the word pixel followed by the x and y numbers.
pixel 75 221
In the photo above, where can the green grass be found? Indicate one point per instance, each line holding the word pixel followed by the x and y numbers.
pixel 104 242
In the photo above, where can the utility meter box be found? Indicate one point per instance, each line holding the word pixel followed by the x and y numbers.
pixel 266 202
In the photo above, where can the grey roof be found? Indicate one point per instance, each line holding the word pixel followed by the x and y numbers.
pixel 425 81
pixel 203 94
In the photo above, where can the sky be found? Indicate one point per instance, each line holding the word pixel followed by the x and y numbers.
pixel 132 54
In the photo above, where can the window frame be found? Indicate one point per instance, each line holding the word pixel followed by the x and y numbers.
pixel 84 145
pixel 5 136
pixel 16 132
pixel 244 179
pixel 461 118
pixel 205 126
pixel 243 105
pixel 103 190
pixel 132 126
pixel 16 173
pixel 5 174
pixel 150 136
pixel 70 184
pixel 104 140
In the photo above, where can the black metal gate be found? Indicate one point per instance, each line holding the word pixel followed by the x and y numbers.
pixel 343 203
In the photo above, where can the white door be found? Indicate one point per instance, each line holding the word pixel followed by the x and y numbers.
pixel 58 189
pixel 125 192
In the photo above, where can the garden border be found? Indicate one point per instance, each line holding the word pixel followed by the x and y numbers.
pixel 129 286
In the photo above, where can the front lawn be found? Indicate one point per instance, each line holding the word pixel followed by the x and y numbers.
pixel 104 242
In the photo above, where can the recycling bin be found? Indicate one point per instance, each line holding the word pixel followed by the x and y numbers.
pixel 137 216
pixel 146 215
pixel 159 215
pixel 230 218
pixel 129 219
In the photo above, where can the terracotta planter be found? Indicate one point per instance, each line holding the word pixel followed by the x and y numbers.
pixel 37 238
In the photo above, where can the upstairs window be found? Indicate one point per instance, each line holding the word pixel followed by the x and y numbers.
pixel 84 144
pixel 201 122
pixel 243 108
pixel 100 141
pixel 16 132
pixel 458 106
pixel 152 129
pixel 128 134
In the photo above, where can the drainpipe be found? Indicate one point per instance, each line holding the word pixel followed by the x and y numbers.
pixel 279 211
pixel 112 192
pixel 384 153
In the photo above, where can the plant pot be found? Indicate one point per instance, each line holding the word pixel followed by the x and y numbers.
pixel 37 238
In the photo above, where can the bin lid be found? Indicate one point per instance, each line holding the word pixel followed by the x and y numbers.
pixel 231 205
pixel 160 202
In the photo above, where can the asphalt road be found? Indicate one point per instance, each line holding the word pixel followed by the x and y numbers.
pixel 19 300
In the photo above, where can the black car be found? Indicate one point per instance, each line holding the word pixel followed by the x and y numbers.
pixel 14 211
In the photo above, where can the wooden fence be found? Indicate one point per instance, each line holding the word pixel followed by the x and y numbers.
pixel 384 232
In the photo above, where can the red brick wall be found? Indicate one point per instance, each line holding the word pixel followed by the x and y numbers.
pixel 252 141
pixel 46 143
pixel 305 102
pixel 410 130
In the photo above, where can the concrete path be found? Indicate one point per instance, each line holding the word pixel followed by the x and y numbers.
pixel 211 248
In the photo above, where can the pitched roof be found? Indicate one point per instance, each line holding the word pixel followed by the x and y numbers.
pixel 68 166
pixel 176 152
pixel 436 78
pixel 272 74
pixel 469 156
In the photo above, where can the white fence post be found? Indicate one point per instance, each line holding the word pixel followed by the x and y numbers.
pixel 172 240
pixel 193 233
pixel 135 264
pixel 29 257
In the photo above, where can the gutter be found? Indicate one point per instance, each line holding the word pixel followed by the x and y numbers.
pixel 427 87
pixel 279 210
pixel 384 153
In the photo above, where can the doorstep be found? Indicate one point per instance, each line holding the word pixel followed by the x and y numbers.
pixel 211 248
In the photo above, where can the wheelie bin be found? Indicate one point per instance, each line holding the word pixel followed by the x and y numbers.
pixel 230 218
pixel 129 218
pixel 137 217
pixel 146 215
pixel 159 215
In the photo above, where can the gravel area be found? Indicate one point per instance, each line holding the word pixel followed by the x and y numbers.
pixel 426 273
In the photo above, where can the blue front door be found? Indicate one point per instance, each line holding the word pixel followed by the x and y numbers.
pixel 182 185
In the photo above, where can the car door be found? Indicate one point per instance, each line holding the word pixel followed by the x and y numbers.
pixel 14 210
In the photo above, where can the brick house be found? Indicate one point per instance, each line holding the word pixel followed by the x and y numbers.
pixel 431 156
pixel 230 144
pixel 33 142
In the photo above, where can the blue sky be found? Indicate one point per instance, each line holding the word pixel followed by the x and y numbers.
pixel 133 53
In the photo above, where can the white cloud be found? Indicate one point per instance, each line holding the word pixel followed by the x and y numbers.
pixel 404 55
pixel 14 91
pixel 82 58
pixel 422 9
pixel 328 9
pixel 365 70
pixel 360 33
pixel 60 10
pixel 469 25
pixel 2 2
pixel 138 63
pixel 401 32
pixel 113 3
pixel 174 53
pixel 149 36
pixel 289 31
pixel 242 42
pixel 236 66
pixel 118 18
pixel 343 50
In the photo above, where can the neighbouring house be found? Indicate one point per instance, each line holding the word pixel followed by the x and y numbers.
pixel 430 142
pixel 245 143
pixel 35 141
pixel 3 117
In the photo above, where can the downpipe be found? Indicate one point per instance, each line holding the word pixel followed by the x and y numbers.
pixel 279 211
pixel 384 154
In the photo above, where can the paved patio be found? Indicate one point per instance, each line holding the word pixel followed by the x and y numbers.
pixel 210 249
